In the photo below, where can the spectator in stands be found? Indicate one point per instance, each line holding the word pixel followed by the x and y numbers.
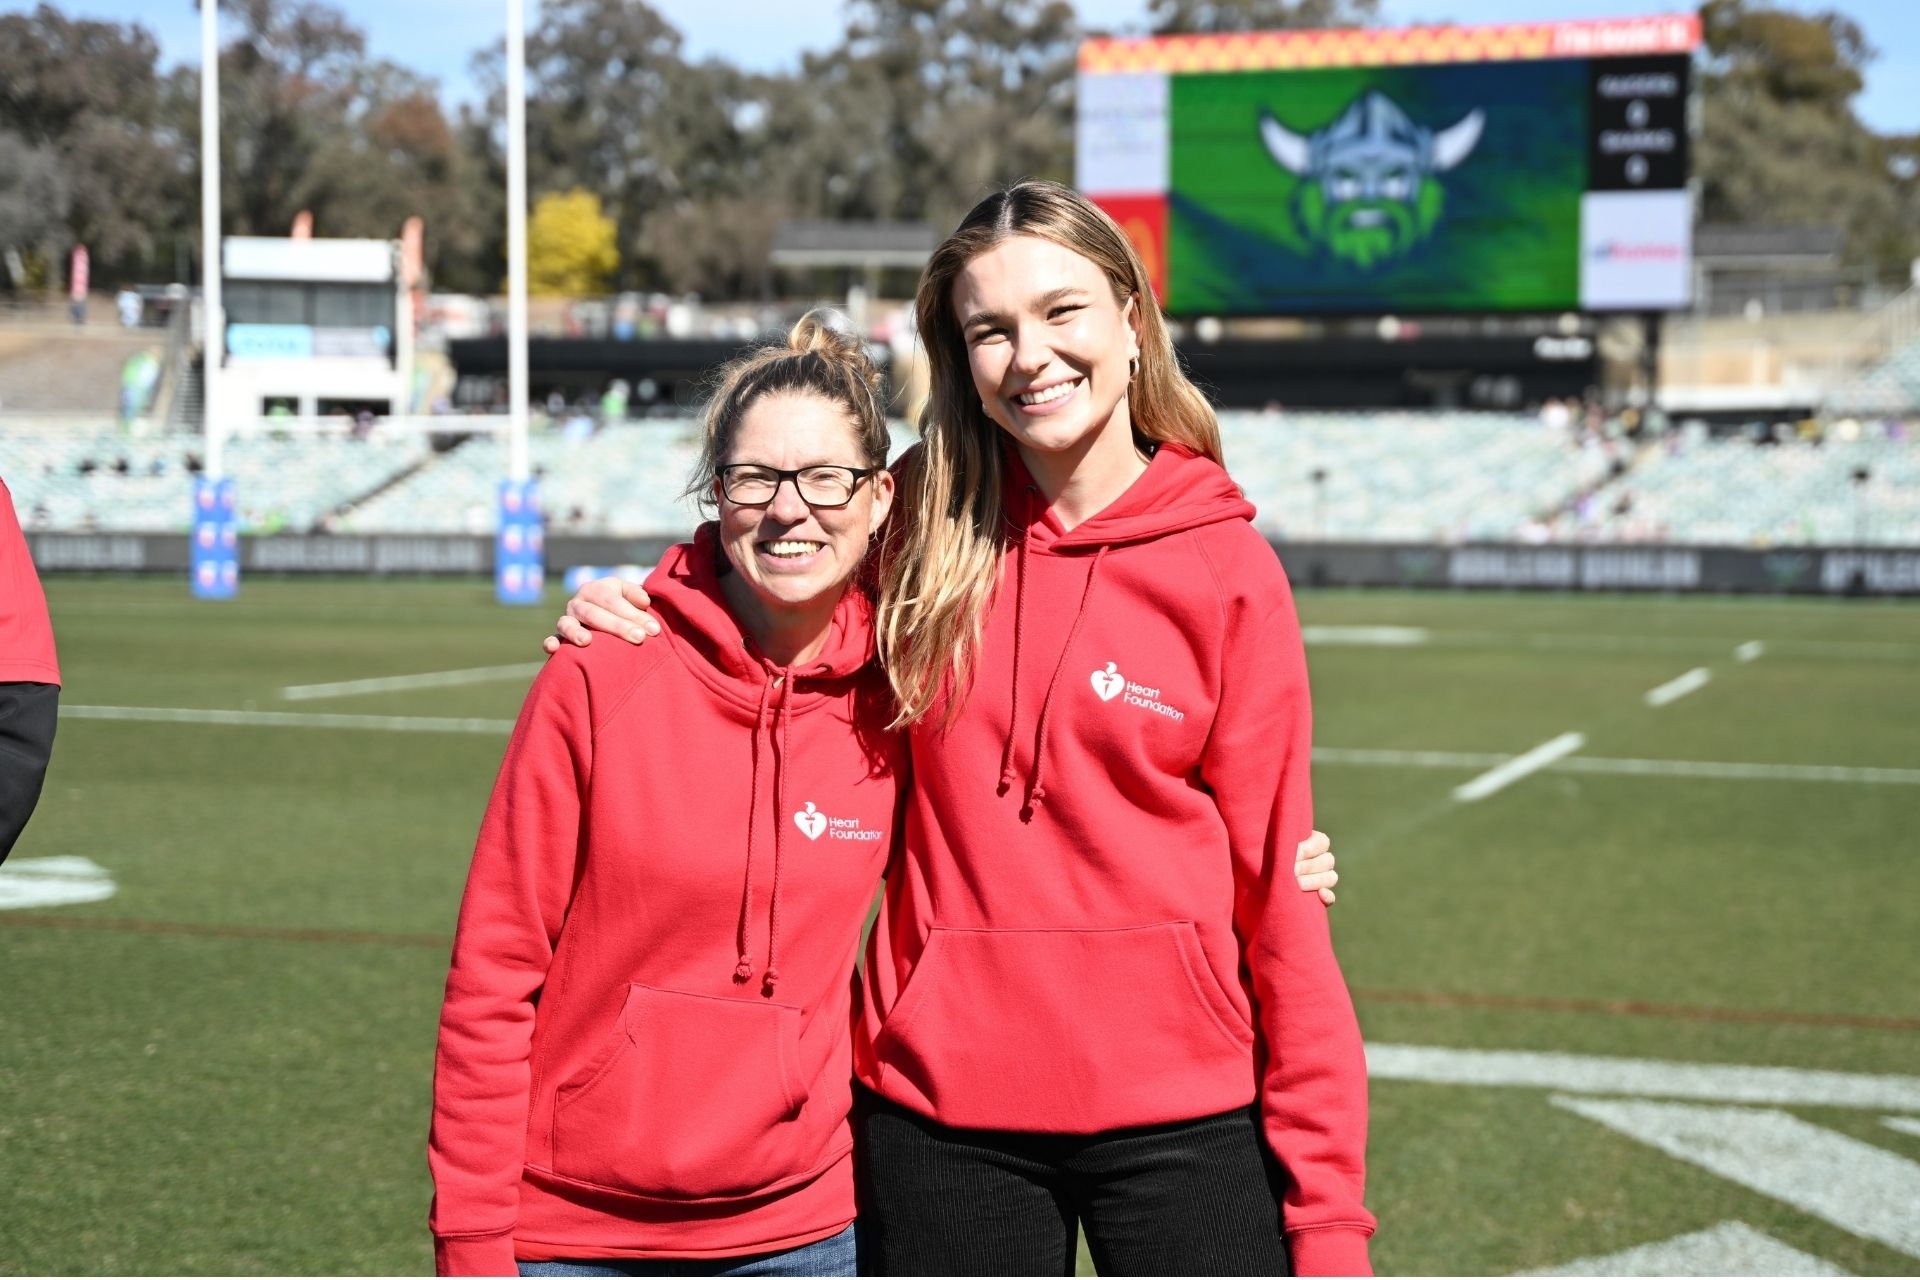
pixel 29 680
pixel 1060 1022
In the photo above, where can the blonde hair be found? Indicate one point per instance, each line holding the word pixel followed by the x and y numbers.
pixel 944 559
pixel 816 359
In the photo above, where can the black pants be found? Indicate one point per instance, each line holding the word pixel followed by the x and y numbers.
pixel 28 716
pixel 1201 1197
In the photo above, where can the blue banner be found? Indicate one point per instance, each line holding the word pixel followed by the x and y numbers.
pixel 214 559
pixel 519 574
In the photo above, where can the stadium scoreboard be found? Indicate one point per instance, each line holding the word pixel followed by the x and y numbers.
pixel 1511 168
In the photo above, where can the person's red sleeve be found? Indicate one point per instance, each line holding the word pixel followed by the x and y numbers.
pixel 516 899
pixel 1313 1075
pixel 26 633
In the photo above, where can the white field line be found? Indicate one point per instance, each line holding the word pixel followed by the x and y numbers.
pixel 1734 772
pixel 1730 1249
pixel 1644 1077
pixel 288 719
pixel 1519 767
pixel 1856 1186
pixel 1678 687
pixel 1321 755
pixel 1902 1124
pixel 396 684
pixel 1749 651
pixel 1408 759
pixel 1387 637
pixel 62 881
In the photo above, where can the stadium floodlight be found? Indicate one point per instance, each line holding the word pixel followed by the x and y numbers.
pixel 519 559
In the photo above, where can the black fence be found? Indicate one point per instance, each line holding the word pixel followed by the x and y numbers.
pixel 1779 571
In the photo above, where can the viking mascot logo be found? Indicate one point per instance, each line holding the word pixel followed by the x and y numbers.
pixel 1369 191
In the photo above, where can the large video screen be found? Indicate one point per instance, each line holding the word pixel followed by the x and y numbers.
pixel 1355 178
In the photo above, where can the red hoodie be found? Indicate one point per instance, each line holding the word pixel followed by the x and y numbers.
pixel 1095 923
pixel 26 637
pixel 645 1043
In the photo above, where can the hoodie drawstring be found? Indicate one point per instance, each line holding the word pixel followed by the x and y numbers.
pixel 1036 788
pixel 772 975
pixel 1019 626
pixel 783 722
pixel 744 970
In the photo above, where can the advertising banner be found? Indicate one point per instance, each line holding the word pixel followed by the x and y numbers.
pixel 214 558
pixel 519 567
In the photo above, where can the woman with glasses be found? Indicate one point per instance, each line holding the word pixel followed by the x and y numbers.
pixel 643 1063
pixel 1090 999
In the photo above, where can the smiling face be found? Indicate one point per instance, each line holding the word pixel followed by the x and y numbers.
pixel 790 557
pixel 1048 344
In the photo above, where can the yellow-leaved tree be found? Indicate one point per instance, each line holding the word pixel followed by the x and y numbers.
pixel 571 245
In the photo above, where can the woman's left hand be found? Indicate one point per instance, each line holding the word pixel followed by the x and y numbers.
pixel 1313 866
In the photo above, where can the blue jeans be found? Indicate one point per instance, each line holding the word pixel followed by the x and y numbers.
pixel 833 1256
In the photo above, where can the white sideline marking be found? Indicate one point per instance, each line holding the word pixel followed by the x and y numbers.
pixel 288 719
pixel 1740 772
pixel 1858 1187
pixel 1408 759
pixel 1724 770
pixel 1903 1124
pixel 1321 755
pixel 1749 651
pixel 1678 687
pixel 1730 1249
pixel 394 684
pixel 1391 637
pixel 26 883
pixel 1644 1077
pixel 1519 767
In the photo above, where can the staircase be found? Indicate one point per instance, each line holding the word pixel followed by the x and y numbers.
pixel 186 411
pixel 1888 382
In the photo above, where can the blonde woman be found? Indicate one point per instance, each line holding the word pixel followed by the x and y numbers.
pixel 1089 1001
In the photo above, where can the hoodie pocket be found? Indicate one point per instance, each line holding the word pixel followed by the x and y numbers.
pixel 693 1097
pixel 1069 1030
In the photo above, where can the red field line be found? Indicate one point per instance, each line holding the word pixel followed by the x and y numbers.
pixel 1434 999
pixel 1636 1009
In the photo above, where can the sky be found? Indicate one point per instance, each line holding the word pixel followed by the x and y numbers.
pixel 437 37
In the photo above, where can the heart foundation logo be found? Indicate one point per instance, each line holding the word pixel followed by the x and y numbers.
pixel 1109 683
pixel 810 821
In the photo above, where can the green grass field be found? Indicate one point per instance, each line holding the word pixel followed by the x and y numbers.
pixel 225 1066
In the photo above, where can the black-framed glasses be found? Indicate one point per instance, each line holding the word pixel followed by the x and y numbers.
pixel 823 488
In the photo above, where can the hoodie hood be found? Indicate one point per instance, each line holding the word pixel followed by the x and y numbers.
pixel 1179 490
pixel 686 595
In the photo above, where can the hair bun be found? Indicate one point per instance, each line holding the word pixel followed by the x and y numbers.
pixel 820 333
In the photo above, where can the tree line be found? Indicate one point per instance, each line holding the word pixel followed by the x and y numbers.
pixel 920 107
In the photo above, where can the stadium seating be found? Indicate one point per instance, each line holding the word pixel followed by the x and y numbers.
pixel 1736 493
pixel 624 481
pixel 99 479
pixel 1390 476
pixel 1890 386
pixel 1414 477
